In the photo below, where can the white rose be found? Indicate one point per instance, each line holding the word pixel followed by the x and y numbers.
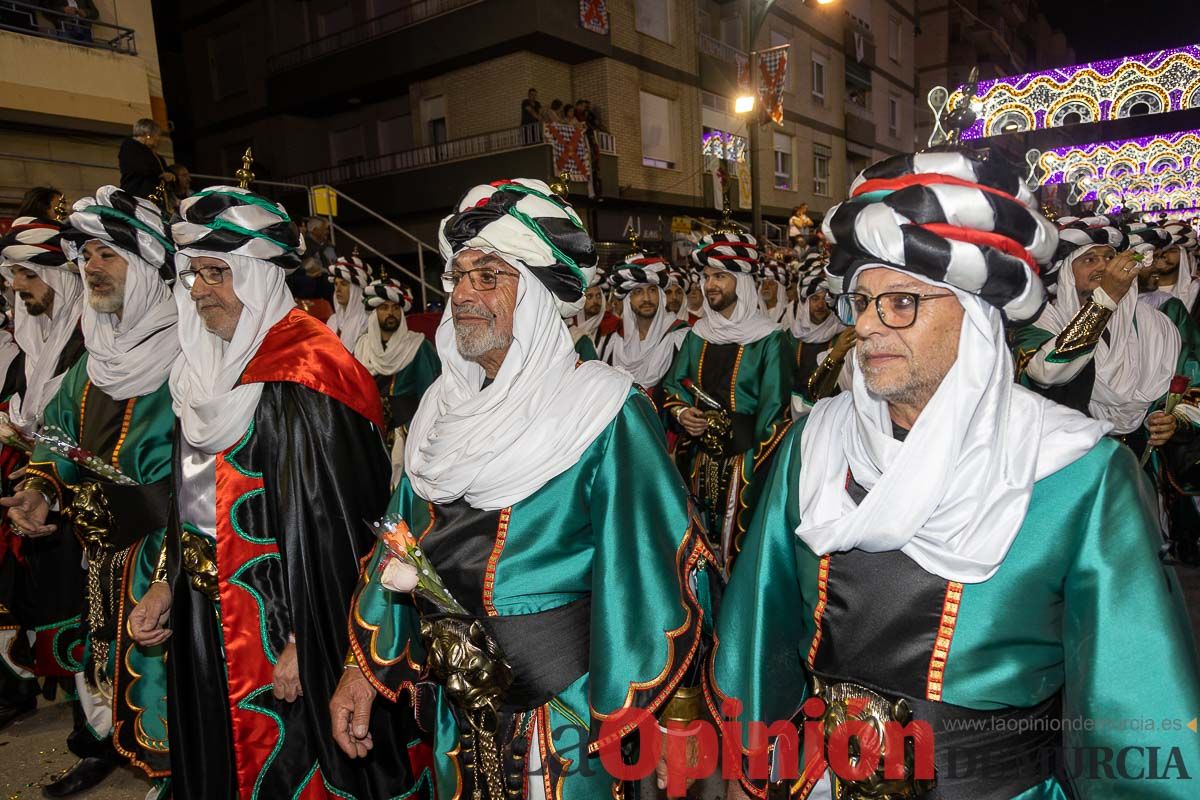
pixel 399 576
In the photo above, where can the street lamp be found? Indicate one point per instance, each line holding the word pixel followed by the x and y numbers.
pixel 746 104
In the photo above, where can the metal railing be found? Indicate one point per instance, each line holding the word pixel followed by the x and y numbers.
pixel 717 49
pixel 425 286
pixel 444 152
pixel 410 14
pixel 33 20
pixel 338 229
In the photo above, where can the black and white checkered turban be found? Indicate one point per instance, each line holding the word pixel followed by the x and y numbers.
pixel 35 243
pixel 1182 234
pixel 639 269
pixel 228 219
pixel 523 220
pixel 812 282
pixel 773 270
pixel 1151 235
pixel 735 252
pixel 376 293
pixel 132 224
pixel 679 277
pixel 956 218
pixel 1080 233
pixel 350 269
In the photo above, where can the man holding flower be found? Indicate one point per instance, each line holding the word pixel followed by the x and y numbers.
pixel 540 490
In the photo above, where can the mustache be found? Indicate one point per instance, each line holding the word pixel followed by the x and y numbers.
pixel 473 309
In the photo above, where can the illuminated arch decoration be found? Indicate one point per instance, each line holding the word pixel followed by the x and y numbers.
pixel 1190 215
pixel 1126 157
pixel 1166 190
pixel 1151 83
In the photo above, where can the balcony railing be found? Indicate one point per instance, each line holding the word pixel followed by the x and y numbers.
pixel 445 152
pixel 410 14
pixel 33 20
pixel 718 49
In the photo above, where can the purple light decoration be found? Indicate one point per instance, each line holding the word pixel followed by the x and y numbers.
pixel 1065 75
pixel 1086 153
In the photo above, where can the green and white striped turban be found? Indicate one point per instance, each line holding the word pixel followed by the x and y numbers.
pixel 131 224
pixel 523 220
pixel 228 219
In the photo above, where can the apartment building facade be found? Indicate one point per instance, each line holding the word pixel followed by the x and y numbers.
pixel 401 105
pixel 69 96
pixel 1000 37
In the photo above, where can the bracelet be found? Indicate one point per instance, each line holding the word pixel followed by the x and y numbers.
pixel 1083 332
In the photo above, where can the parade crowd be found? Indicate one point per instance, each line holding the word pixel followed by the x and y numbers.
pixel 931 468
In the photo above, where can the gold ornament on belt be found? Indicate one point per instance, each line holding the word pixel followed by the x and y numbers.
pixel 90 513
pixel 845 702
pixel 198 557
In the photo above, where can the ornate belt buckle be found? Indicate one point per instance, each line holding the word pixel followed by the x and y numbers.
pixel 849 701
pixel 90 513
pixel 199 559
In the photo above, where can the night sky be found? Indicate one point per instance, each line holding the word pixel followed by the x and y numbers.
pixel 1099 29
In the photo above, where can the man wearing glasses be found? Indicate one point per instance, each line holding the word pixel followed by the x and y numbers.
pixel 280 467
pixel 944 549
pixel 542 493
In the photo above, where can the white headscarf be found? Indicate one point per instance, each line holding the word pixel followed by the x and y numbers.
pixel 1134 368
pixel 349 321
pixel 745 326
pixel 390 358
pixel 8 352
pixel 582 325
pixel 214 412
pixel 647 360
pixel 953 495
pixel 809 332
pixel 498 445
pixel 43 338
pixel 781 314
pixel 132 356
pixel 1186 286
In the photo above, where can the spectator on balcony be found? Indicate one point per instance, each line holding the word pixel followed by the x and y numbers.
pixel 141 166
pixel 40 201
pixel 183 184
pixel 531 109
pixel 799 226
pixel 75 22
pixel 17 18
pixel 554 114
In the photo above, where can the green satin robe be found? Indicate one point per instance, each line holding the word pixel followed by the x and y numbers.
pixel 1081 604
pixel 617 526
pixel 143 452
pixel 761 386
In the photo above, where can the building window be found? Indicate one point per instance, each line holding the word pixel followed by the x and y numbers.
pixel 779 40
pixel 821 156
pixel 346 145
pixel 783 162
pixel 894 39
pixel 433 120
pixel 395 134
pixel 893 115
pixel 653 18
pixel 226 56
pixel 819 65
pixel 658 139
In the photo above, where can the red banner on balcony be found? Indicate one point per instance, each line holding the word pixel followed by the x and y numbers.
pixel 772 68
pixel 572 153
pixel 593 16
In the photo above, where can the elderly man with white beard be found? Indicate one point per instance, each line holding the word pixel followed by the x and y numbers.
pixel 942 549
pixel 543 496
pixel 278 464
pixel 114 404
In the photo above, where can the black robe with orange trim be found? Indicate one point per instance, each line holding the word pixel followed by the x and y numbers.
pixel 293 499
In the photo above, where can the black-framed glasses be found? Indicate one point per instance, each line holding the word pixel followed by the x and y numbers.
pixel 213 276
pixel 895 309
pixel 483 279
